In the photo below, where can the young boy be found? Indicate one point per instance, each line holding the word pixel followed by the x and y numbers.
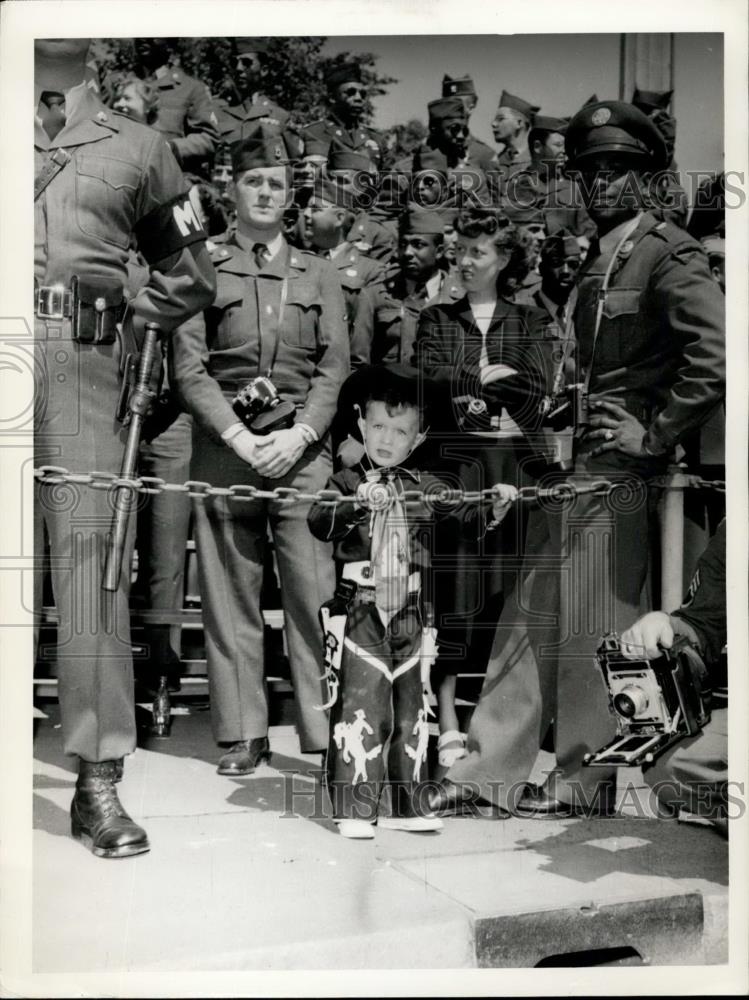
pixel 378 640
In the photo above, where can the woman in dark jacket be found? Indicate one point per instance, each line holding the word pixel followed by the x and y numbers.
pixel 486 351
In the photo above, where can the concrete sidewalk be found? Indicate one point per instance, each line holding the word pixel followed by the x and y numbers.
pixel 241 876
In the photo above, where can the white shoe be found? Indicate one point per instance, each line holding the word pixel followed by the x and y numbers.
pixel 411 824
pixel 355 829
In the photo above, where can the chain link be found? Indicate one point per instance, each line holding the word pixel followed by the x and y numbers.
pixel 199 490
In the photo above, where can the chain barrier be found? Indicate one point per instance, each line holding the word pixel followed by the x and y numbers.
pixel 55 475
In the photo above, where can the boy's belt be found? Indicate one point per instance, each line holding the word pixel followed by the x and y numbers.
pixel 361 574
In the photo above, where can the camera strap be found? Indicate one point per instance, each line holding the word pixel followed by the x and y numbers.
pixel 276 333
pixel 603 292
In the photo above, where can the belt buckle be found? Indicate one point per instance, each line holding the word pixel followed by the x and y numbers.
pixel 50 302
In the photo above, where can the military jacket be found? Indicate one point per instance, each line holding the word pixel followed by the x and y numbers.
pixel 361 139
pixel 661 340
pixel 385 328
pixel 235 121
pixel 356 272
pixel 217 354
pixel 122 184
pixel 187 117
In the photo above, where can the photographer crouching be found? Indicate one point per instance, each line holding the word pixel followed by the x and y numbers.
pixel 692 774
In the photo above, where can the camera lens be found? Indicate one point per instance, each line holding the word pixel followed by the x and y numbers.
pixel 631 701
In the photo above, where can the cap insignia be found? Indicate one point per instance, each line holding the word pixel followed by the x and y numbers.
pixel 600 116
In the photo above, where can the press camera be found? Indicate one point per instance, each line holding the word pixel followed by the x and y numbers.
pixel 655 702
pixel 261 409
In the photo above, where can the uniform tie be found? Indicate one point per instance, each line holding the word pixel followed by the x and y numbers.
pixel 52 112
pixel 261 253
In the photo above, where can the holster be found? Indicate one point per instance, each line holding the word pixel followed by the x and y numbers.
pixel 97 307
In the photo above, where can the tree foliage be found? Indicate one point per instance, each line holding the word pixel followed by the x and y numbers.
pixel 293 70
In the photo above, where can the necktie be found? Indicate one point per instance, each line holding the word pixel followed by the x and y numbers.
pixel 392 557
pixel 260 253
pixel 52 112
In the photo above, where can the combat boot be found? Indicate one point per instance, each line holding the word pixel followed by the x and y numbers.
pixel 97 817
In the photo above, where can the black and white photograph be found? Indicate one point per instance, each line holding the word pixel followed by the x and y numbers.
pixel 374 463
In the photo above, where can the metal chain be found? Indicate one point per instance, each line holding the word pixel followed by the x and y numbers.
pixel 58 475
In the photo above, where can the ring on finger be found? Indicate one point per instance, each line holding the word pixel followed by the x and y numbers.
pixel 609 435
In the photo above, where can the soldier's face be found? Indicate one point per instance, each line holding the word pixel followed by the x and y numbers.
pixel 550 150
pixel 480 262
pixel 323 222
pixel 130 103
pixel 418 254
pixel 449 240
pixel 261 195
pixel 559 272
pixel 350 96
pixel 152 52
pixel 611 188
pixel 390 433
pixel 429 187
pixel 506 124
pixel 247 69
pixel 451 132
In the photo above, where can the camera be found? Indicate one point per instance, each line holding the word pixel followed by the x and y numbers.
pixel 566 407
pixel 655 702
pixel 261 409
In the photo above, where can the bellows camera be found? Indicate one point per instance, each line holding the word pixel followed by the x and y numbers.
pixel 261 409
pixel 655 702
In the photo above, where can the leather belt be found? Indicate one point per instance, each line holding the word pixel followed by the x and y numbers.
pixel 361 574
pixel 53 302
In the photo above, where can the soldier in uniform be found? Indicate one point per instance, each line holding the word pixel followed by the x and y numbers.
pixel 238 120
pixel 356 172
pixel 102 182
pixel 649 323
pixel 543 184
pixel 279 313
pixel 347 94
pixel 328 218
pixel 479 153
pixel 187 117
pixel 386 331
pixel 511 126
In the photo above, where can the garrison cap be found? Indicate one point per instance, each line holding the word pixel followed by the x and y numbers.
pixel 421 221
pixel 343 73
pixel 246 45
pixel 546 123
pixel 342 157
pixel 336 194
pixel 445 108
pixel 264 148
pixel 459 86
pixel 314 146
pixel 593 99
pixel 562 243
pixel 652 100
pixel 614 127
pixel 508 100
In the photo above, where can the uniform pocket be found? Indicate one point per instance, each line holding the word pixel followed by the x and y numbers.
pixel 106 189
pixel 226 326
pixel 621 302
pixel 301 316
pixel 617 335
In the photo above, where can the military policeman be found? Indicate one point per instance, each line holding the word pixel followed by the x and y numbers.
pixel 347 95
pixel 187 116
pixel 279 313
pixel 102 181
pixel 649 323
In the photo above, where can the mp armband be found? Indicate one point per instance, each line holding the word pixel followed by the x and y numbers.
pixel 168 229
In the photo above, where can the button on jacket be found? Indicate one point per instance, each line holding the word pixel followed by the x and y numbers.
pixel 216 355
